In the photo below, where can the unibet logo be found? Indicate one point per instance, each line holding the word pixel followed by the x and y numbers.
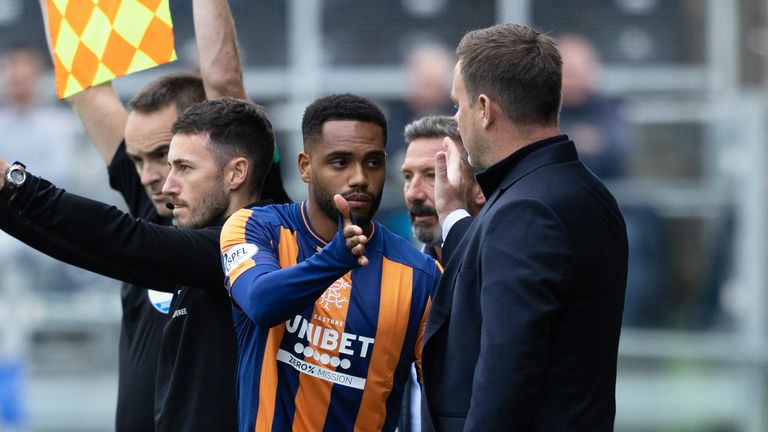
pixel 239 254
pixel 328 339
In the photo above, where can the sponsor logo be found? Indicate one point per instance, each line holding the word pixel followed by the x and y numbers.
pixel 179 312
pixel 328 339
pixel 239 254
pixel 321 372
pixel 336 294
pixel 160 300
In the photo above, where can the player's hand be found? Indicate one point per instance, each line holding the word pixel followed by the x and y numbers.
pixel 450 181
pixel 353 234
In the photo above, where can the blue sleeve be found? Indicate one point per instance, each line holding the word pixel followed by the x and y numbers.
pixel 267 293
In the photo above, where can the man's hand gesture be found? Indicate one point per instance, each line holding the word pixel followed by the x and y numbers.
pixel 353 234
pixel 450 179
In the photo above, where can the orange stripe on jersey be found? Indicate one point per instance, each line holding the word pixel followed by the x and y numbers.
pixel 287 248
pixel 439 266
pixel 314 394
pixel 394 311
pixel 232 234
pixel 420 337
pixel 268 381
pixel 288 252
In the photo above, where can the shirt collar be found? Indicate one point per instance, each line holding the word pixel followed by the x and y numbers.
pixel 490 179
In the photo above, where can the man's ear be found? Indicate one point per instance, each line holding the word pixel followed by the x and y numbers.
pixel 488 110
pixel 305 167
pixel 237 172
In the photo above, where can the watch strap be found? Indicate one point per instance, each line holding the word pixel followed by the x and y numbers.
pixel 9 186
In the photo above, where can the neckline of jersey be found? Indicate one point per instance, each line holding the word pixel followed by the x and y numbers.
pixel 308 226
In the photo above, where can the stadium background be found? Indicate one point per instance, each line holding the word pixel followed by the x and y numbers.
pixel 692 76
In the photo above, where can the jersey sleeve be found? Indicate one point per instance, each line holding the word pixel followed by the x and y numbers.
pixel 246 244
pixel 267 293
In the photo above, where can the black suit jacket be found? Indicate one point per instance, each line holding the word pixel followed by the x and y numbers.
pixel 524 328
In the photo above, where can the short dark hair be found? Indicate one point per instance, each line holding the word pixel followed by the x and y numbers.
pixel 235 128
pixel 432 127
pixel 181 90
pixel 340 107
pixel 517 67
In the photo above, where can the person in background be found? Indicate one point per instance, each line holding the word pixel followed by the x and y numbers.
pixel 604 138
pixel 30 123
pixel 426 137
pixel 428 87
pixel 596 122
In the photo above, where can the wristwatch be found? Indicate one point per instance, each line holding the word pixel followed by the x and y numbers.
pixel 14 178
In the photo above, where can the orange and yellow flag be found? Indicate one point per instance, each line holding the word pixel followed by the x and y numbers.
pixel 95 41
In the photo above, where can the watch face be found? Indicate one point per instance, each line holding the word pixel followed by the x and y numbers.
pixel 16 175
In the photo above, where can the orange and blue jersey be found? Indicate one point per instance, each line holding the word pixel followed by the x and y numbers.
pixel 324 344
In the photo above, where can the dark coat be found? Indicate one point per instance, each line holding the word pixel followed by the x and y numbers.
pixel 524 329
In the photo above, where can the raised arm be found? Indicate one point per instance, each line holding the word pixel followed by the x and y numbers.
pixel 222 72
pixel 103 117
pixel 217 49
pixel 99 109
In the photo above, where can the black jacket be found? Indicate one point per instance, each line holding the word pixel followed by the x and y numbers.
pixel 142 322
pixel 192 386
pixel 195 377
pixel 524 328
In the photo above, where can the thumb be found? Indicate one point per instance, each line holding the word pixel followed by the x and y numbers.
pixel 343 206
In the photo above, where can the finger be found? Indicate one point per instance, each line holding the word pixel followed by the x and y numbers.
pixel 452 146
pixel 454 161
pixel 458 146
pixel 441 168
pixel 358 250
pixel 343 206
pixel 352 230
pixel 353 242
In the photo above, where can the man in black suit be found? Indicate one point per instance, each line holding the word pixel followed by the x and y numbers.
pixel 524 328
